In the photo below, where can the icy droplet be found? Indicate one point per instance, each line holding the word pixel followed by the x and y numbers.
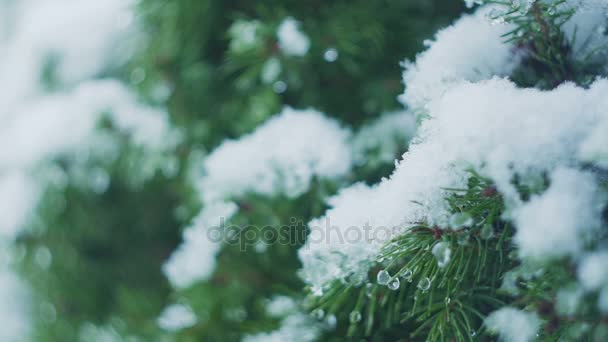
pixel 331 321
pixel 330 55
pixel 487 231
pixel 407 274
pixel 43 257
pixel 473 333
pixel 394 284
pixel 460 220
pixel 355 316
pixel 447 300
pixel 424 284
pixel 442 253
pixel 369 289
pixel 100 180
pixel 383 277
pixel 138 75
pixel 260 247
pixel 318 313
pixel 279 87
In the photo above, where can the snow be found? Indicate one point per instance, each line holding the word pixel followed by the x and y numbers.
pixel 15 304
pixel 176 317
pixel 471 49
pixel 587 29
pixel 513 325
pixel 44 29
pixel 592 270
pixel 292 41
pixel 244 35
pixel 295 327
pixel 559 221
pixel 383 138
pixel 467 128
pixel 18 195
pixel 194 259
pixel 54 100
pixel 282 156
pixel 568 300
pixel 280 306
pixel 80 109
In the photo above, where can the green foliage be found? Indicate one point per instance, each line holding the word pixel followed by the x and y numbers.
pixel 258 261
pixel 217 83
pixel 423 299
pixel 548 56
pixel 88 261
pixel 107 248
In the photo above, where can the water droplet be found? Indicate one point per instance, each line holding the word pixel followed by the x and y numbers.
pixel 43 257
pixel 355 316
pixel 138 75
pixel 424 284
pixel 170 167
pixel 460 220
pixel 237 314
pixel 442 253
pixel 331 321
pixel 369 290
pixel 318 313
pixel 473 333
pixel 487 231
pixel 99 180
pixel 394 284
pixel 407 274
pixel 279 87
pixel 261 247
pixel 330 55
pixel 383 277
pixel 447 300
